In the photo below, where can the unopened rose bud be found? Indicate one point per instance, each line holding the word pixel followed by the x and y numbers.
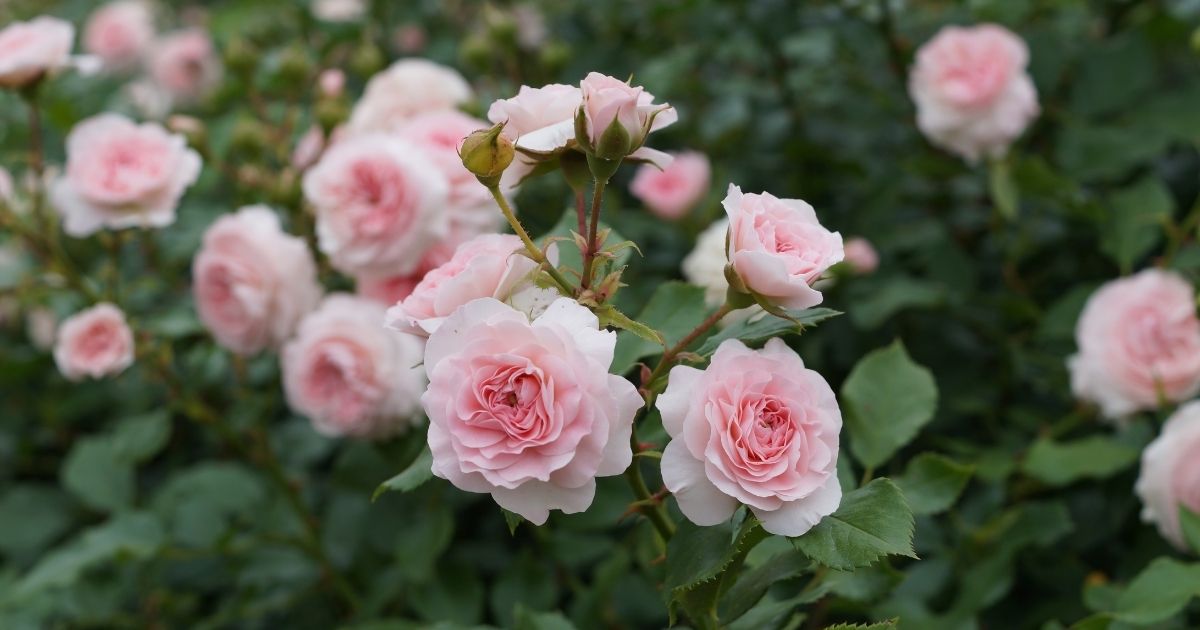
pixel 248 138
pixel 294 66
pixel 241 57
pixel 367 59
pixel 486 153
pixel 615 117
pixel 330 113
pixel 332 83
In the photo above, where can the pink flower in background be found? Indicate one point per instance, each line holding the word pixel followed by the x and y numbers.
pixel 540 119
pixel 438 135
pixel 755 427
pixel 861 255
pixel 339 10
pixel 1170 474
pixel 973 94
pixel 490 265
pixel 1139 343
pixel 41 326
pixel 405 89
pixel 94 343
pixel 527 411
pixel 119 33
pixel 332 82
pixel 30 50
pixel 671 192
pixel 184 65
pixel 410 38
pixel 380 205
pixel 390 289
pixel 6 186
pixel 349 375
pixel 308 148
pixel 778 248
pixel 252 281
pixel 121 174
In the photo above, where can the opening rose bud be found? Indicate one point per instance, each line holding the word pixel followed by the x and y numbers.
pixel 486 153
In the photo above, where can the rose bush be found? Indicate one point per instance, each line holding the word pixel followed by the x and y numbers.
pixel 364 314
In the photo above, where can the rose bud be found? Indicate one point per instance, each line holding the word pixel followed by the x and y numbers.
pixel 615 117
pixel 486 153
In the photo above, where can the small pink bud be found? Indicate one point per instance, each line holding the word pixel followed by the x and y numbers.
pixel 332 82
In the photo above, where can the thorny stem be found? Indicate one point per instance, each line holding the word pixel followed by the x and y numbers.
pixel 673 351
pixel 580 212
pixel 534 252
pixel 589 256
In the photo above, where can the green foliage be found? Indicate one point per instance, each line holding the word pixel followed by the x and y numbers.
pixel 873 521
pixel 931 483
pixel 886 400
pixel 1095 457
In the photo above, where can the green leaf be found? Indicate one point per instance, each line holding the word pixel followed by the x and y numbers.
pixel 31 517
pixel 1096 622
pixel 513 520
pixel 526 584
pixel 417 473
pixel 1095 457
pixel 525 619
pixel 872 522
pixel 200 504
pixel 753 584
pixel 1189 521
pixel 139 438
pixel 699 558
pixel 130 535
pixel 610 316
pixel 99 474
pixel 890 624
pixel 886 400
pixel 931 483
pixel 420 542
pixel 674 310
pixel 1135 221
pixel 761 327
pixel 1003 189
pixel 1160 591
pixel 876 299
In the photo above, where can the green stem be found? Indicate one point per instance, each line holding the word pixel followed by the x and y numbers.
pixel 649 506
pixel 535 253
pixel 673 351
pixel 589 256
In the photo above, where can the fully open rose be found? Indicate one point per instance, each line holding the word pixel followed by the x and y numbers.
pixel 1139 344
pixel 527 411
pixel 755 427
pixel 121 174
pixel 349 375
pixel 252 282
pixel 119 33
pixel 405 89
pixel 94 343
pixel 1170 475
pixel 30 50
pixel 673 191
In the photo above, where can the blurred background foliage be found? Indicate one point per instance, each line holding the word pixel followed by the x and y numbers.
pixel 116 512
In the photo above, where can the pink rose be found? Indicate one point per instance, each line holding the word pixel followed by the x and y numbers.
pixel 972 91
pixel 608 101
pixel 379 203
pixel 778 248
pixel 758 428
pixel 121 174
pixel 1139 343
pixel 349 375
pixel 339 10
pixel 405 89
pixel 252 282
pixel 527 411
pixel 119 33
pixel 332 82
pixel 671 192
pixel 490 265
pixel 6 186
pixel 184 65
pixel 861 255
pixel 30 50
pixel 1170 474
pixel 388 290
pixel 94 343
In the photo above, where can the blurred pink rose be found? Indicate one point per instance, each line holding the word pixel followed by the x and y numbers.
pixel 490 265
pixel 972 91
pixel 41 326
pixel 339 10
pixel 755 427
pixel 308 148
pixel 119 33
pixel 332 82
pixel 438 134
pixel 1170 474
pixel 778 248
pixel 184 65
pixel 379 203
pixel 94 343
pixel 541 119
pixel 349 375
pixel 1139 341
pixel 405 89
pixel 388 290
pixel 252 282
pixel 122 174
pixel 6 186
pixel 861 255
pixel 29 50
pixel 608 101
pixel 527 411
pixel 671 192
pixel 410 38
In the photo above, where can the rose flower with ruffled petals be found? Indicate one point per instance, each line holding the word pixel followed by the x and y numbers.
pixel 252 282
pixel 349 375
pixel 671 192
pixel 1139 344
pixel 30 50
pixel 121 174
pixel 527 411
pixel 380 205
pixel 758 428
pixel 119 33
pixel 94 343
pixel 1170 475
pixel 778 248
pixel 406 88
